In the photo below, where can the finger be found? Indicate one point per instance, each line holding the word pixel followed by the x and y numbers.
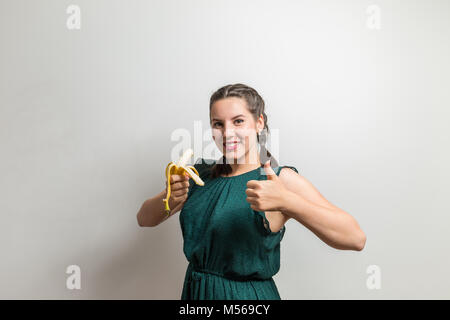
pixel 180 180
pixel 179 185
pixel 251 193
pixel 179 198
pixel 182 184
pixel 180 192
pixel 253 184
pixel 271 175
pixel 176 178
pixel 251 200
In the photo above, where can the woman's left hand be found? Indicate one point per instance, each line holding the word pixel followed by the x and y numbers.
pixel 267 195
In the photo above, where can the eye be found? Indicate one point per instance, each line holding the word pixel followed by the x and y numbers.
pixel 214 124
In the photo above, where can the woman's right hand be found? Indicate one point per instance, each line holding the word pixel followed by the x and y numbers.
pixel 179 187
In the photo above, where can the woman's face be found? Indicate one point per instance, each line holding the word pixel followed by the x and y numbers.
pixel 231 121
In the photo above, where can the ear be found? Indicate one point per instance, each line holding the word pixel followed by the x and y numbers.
pixel 260 123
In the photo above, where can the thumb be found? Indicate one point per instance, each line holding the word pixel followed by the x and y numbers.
pixel 271 175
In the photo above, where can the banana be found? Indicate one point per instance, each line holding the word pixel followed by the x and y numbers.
pixel 180 168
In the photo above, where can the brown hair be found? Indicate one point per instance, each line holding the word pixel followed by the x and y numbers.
pixel 256 106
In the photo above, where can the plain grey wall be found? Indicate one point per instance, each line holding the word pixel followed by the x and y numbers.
pixel 87 115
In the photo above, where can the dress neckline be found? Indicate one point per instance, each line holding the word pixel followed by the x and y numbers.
pixel 239 175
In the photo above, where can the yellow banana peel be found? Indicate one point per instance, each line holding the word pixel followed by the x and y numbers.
pixel 180 168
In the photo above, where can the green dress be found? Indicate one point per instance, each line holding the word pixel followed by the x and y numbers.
pixel 231 250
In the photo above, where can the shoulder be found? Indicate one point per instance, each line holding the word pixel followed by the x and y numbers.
pixel 296 183
pixel 288 173
pixel 292 179
pixel 286 170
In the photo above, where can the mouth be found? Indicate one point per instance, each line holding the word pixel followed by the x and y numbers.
pixel 231 145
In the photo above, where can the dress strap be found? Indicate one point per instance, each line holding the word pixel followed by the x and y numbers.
pixel 281 167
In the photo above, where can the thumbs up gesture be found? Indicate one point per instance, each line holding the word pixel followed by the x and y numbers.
pixel 266 195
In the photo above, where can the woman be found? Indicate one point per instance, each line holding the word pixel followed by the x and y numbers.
pixel 232 226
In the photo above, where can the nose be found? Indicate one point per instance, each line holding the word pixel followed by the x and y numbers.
pixel 226 133
pixel 229 132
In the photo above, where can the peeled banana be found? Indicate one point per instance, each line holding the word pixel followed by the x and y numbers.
pixel 180 168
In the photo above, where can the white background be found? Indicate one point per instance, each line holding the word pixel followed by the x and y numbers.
pixel 86 118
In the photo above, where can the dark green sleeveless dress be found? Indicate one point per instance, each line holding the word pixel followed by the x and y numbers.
pixel 231 250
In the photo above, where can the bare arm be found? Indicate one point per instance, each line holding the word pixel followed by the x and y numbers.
pixel 152 210
pixel 331 224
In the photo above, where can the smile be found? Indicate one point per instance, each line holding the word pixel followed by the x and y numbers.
pixel 231 145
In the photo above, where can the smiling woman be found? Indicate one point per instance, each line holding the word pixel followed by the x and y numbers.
pixel 239 125
pixel 232 226
pixel 233 249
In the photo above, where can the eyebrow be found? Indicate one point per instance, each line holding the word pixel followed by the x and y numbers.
pixel 239 115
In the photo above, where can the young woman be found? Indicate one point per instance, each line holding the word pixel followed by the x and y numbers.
pixel 232 226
